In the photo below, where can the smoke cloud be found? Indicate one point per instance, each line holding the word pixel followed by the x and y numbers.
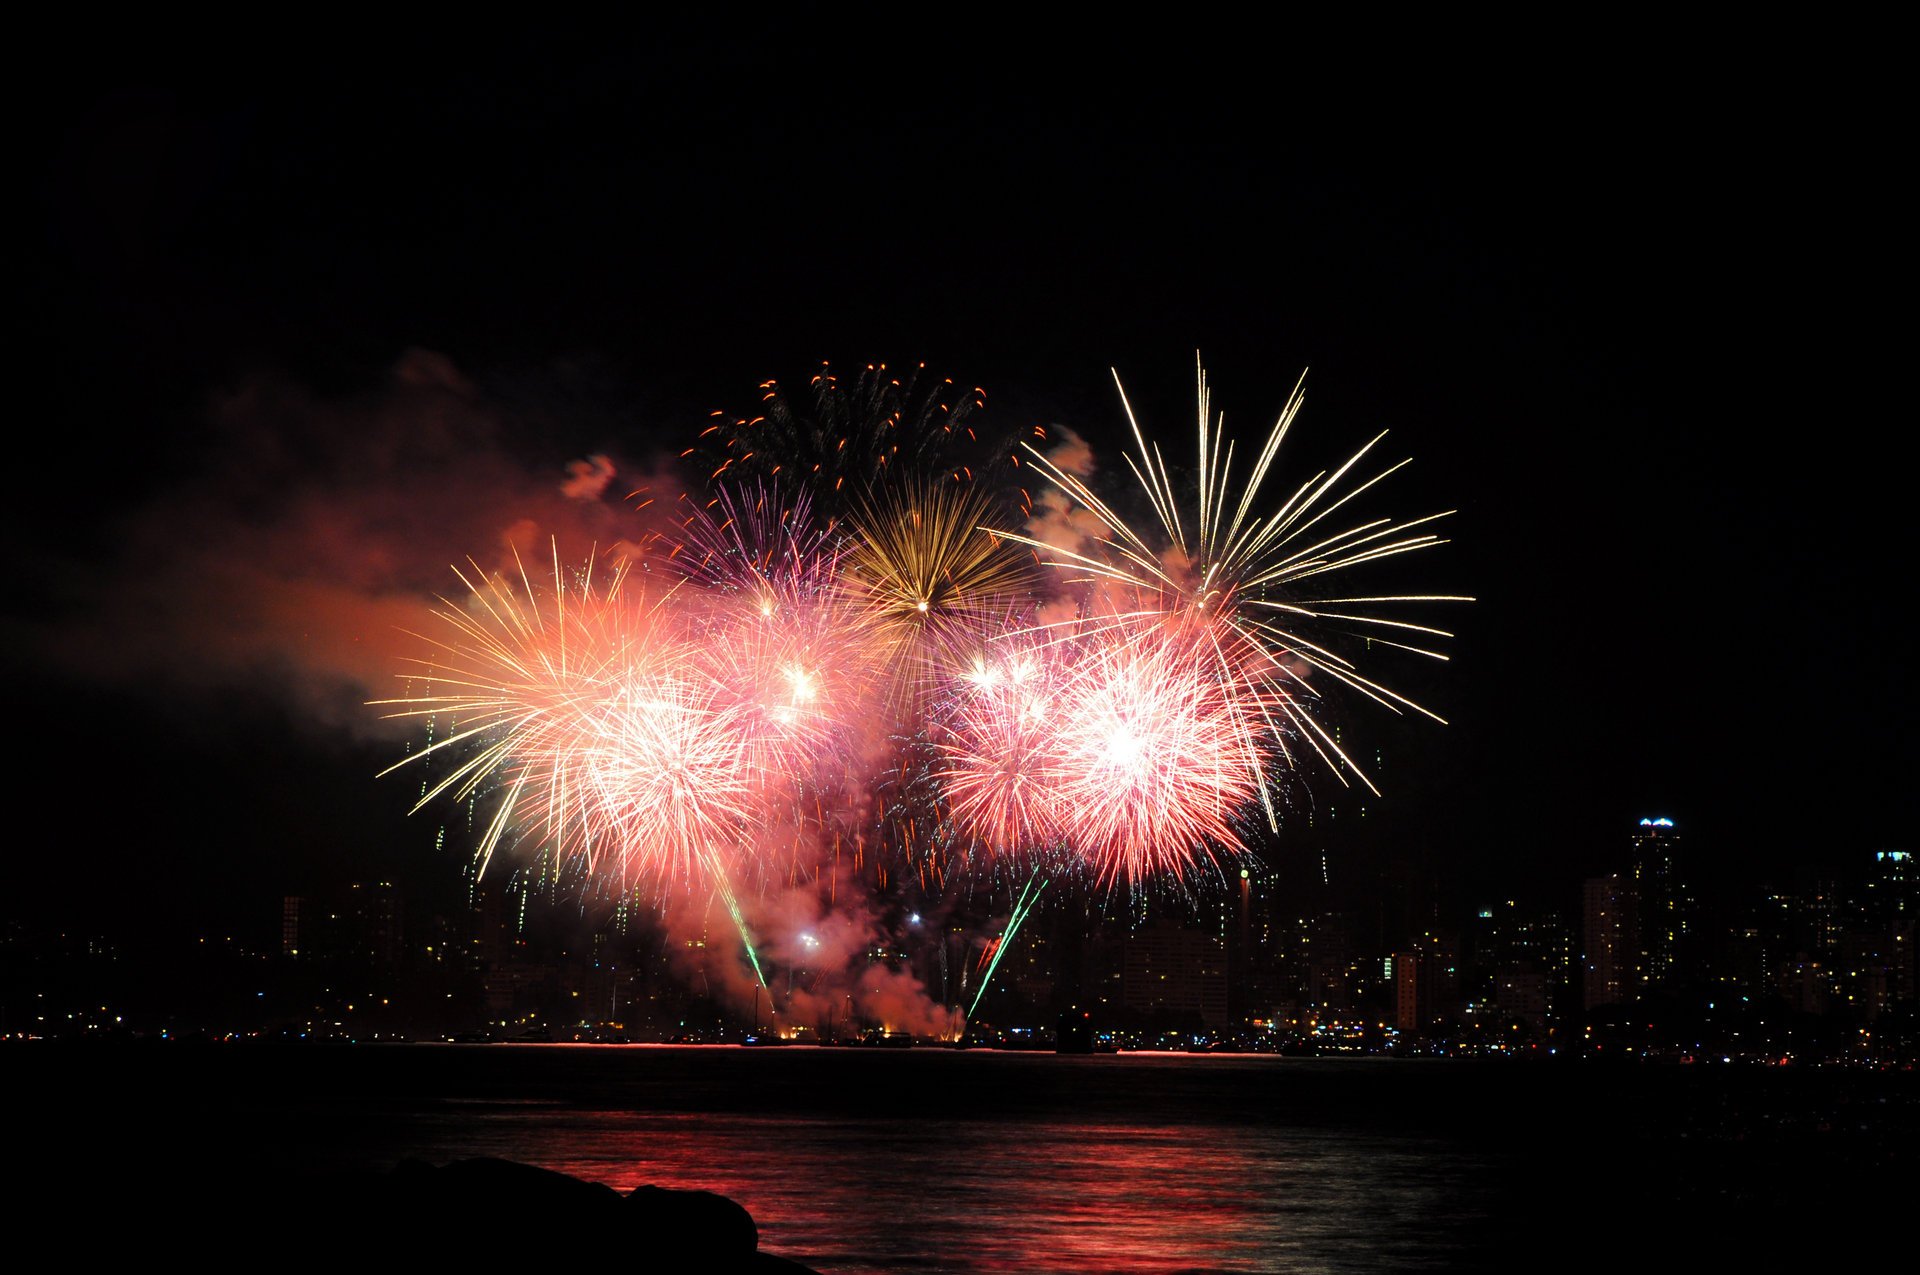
pixel 1060 524
pixel 307 550
pixel 825 952
pixel 302 558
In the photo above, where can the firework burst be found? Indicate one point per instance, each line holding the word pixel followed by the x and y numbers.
pixel 839 681
pixel 775 631
pixel 932 579
pixel 841 435
pixel 581 712
pixel 999 749
pixel 1124 747
pixel 1157 755
pixel 1249 589
pixel 839 668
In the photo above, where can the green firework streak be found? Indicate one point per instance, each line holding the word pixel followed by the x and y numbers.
pixel 740 923
pixel 1022 908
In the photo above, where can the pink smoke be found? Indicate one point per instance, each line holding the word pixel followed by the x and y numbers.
pixel 823 950
pixel 320 531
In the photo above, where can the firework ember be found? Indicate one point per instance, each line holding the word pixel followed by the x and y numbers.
pixel 840 432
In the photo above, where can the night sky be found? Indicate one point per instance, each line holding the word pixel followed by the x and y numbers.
pixel 1636 319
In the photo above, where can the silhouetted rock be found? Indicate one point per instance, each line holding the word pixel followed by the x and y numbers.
pixel 489 1212
pixel 697 1212
pixel 490 1208
pixel 487 1182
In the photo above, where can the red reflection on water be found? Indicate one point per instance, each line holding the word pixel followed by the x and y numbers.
pixel 942 1164
pixel 973 1196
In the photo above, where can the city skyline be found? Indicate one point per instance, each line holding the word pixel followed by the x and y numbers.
pixel 1817 970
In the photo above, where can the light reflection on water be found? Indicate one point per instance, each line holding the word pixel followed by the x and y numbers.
pixel 1003 1197
pixel 1181 1166
pixel 934 1160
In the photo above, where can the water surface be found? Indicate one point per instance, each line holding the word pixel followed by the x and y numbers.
pixel 976 1161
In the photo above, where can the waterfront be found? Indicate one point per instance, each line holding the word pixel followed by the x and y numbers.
pixel 977 1161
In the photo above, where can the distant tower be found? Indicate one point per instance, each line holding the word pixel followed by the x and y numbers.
pixel 290 925
pixel 381 937
pixel 1240 958
pixel 1183 971
pixel 1611 941
pixel 1664 905
pixel 1892 915
pixel 1891 895
pixel 1408 1012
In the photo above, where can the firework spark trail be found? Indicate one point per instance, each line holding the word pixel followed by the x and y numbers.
pixel 760 540
pixel 746 939
pixel 841 435
pixel 1022 909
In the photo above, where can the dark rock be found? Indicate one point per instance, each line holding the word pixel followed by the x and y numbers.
pixel 720 1221
pixel 493 1188
pixel 493 1209
pixel 484 1211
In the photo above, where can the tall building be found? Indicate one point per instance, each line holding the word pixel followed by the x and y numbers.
pixel 1521 995
pixel 1520 955
pixel 1890 912
pixel 1611 938
pixel 1330 960
pixel 377 912
pixel 1240 954
pixel 1426 982
pixel 1409 1015
pixel 290 925
pixel 1169 968
pixel 1891 892
pixel 1665 907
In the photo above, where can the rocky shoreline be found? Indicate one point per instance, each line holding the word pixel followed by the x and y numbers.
pixel 485 1212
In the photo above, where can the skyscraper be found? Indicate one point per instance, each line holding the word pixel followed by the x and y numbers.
pixel 290 925
pixel 1892 891
pixel 1891 913
pixel 1172 969
pixel 1664 905
pixel 1610 941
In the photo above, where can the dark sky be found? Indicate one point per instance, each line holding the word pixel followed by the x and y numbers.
pixel 1634 317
